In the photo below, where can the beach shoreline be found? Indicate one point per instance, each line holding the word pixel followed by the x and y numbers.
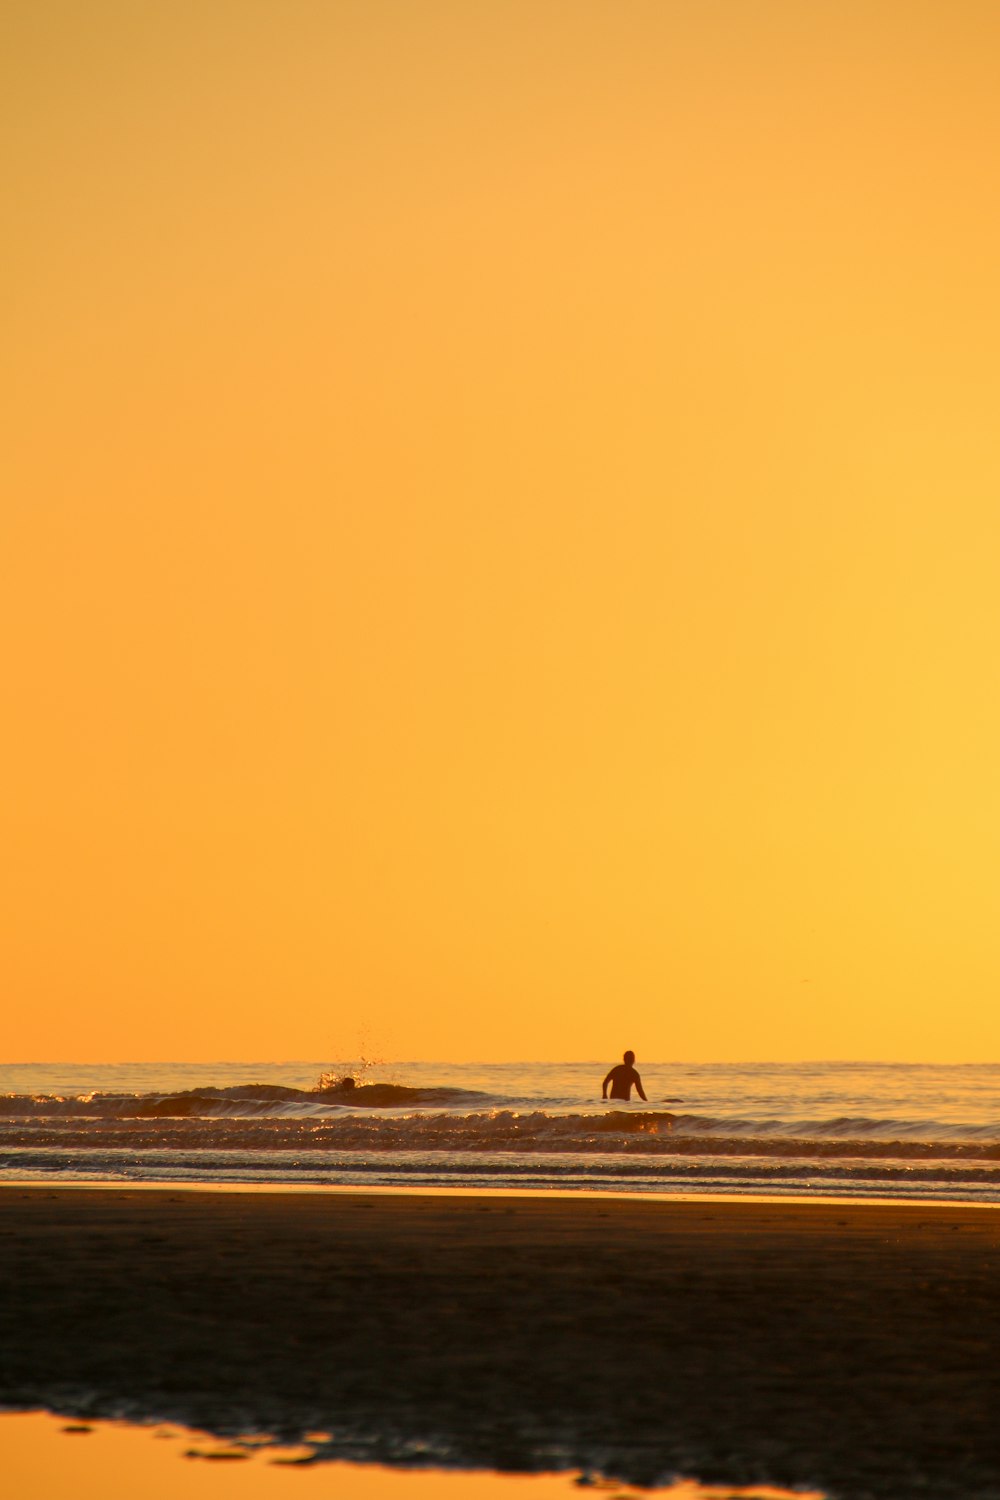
pixel 449 1190
pixel 846 1346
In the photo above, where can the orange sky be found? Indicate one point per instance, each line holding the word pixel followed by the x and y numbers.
pixel 501 548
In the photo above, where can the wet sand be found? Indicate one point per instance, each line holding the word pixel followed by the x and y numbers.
pixel 850 1348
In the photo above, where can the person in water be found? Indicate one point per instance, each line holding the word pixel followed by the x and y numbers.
pixel 621 1079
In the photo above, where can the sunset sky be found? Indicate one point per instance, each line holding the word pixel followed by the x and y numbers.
pixel 500 554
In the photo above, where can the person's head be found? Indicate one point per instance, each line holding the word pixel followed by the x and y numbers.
pixel 628 1057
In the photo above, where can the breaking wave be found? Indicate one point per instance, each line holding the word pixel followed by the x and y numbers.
pixel 204 1121
pixel 242 1099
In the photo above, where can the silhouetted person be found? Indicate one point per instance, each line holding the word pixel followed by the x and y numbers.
pixel 621 1079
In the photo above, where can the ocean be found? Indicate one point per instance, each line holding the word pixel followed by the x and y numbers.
pixel 861 1130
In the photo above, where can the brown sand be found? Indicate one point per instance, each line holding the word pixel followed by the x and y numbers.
pixel 854 1348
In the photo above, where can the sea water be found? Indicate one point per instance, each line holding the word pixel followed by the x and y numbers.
pixel 886 1130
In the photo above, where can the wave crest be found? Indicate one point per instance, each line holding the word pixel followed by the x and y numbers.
pixel 615 1132
pixel 238 1099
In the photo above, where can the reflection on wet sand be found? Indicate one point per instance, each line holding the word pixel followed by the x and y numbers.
pixel 44 1454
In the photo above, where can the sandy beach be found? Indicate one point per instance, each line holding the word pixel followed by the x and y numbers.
pixel 852 1348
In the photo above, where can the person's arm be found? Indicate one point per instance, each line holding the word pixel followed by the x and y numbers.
pixel 604 1085
pixel 639 1089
